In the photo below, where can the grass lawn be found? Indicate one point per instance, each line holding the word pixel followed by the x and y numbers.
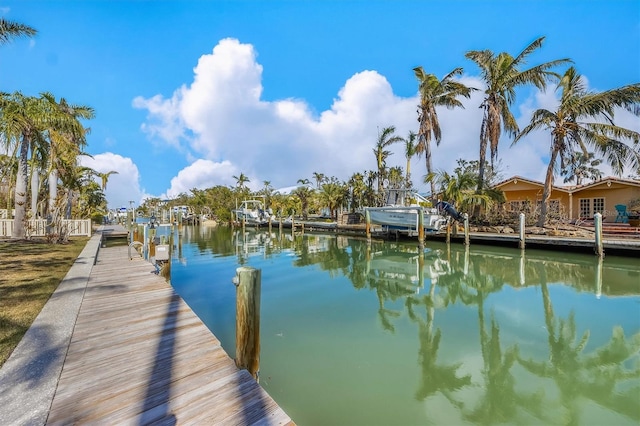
pixel 31 271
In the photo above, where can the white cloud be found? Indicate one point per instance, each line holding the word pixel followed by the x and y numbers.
pixel 223 125
pixel 201 174
pixel 121 187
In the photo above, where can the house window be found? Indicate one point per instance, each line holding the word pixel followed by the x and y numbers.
pixel 591 206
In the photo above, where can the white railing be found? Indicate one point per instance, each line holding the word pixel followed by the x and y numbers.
pixel 4 213
pixel 38 227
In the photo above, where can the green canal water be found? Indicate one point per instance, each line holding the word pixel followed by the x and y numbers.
pixel 383 334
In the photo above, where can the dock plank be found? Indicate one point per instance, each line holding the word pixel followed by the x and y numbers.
pixel 139 355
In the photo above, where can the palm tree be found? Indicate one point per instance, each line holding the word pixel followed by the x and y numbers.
pixel 241 180
pixel 395 177
pixel 385 139
pixel 582 167
pixel 410 149
pixel 319 177
pixel 304 193
pixel 434 93
pixel 10 30
pixel 357 189
pixel 585 119
pixel 332 195
pixel 458 190
pixel 66 138
pixel 502 76
pixel 21 122
pixel 104 177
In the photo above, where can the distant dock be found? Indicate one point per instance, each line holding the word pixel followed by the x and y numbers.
pixel 618 239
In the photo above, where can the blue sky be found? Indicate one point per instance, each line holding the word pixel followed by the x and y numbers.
pixel 190 93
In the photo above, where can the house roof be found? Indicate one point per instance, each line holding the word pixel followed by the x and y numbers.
pixel 516 179
pixel 573 188
pixel 608 181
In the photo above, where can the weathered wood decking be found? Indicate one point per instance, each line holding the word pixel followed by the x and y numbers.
pixel 139 355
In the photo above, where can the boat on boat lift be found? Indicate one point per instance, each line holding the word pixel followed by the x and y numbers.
pixel 402 211
pixel 253 213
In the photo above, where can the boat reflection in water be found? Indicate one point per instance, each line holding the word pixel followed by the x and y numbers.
pixel 384 333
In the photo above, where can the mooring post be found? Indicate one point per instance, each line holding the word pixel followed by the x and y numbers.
pixel 521 232
pixel 466 229
pixel 145 241
pixel 597 219
pixel 421 228
pixel 448 238
pixel 247 281
pixel 367 222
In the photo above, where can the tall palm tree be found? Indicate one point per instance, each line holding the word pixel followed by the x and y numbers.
pixel 385 139
pixel 585 119
pixel 21 121
pixel 10 30
pixel 502 76
pixel 410 149
pixel 66 138
pixel 434 93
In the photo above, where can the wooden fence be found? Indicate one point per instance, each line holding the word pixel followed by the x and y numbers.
pixel 38 227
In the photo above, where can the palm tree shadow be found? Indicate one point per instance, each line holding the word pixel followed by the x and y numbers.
pixel 156 408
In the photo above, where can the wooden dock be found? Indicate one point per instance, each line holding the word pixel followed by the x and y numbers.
pixel 139 355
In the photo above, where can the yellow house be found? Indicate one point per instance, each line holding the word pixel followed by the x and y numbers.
pixel 572 202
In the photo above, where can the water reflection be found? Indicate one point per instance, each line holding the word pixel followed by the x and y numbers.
pixel 528 363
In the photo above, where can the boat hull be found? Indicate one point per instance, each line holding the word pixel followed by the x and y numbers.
pixel 406 219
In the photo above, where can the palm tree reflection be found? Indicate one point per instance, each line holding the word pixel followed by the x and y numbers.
pixel 602 376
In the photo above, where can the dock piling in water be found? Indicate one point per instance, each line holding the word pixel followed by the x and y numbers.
pixel 521 232
pixel 597 221
pixel 248 286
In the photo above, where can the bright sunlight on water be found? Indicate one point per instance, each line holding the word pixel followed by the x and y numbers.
pixel 381 334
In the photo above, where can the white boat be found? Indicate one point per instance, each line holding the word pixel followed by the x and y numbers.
pixel 402 213
pixel 252 212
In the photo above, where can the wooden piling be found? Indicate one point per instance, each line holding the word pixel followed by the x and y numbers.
pixel 466 229
pixel 248 285
pixel 367 226
pixel 421 228
pixel 448 238
pixel 521 232
pixel 597 220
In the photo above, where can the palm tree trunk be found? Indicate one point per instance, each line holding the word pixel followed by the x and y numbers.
pixel 53 190
pixel 35 189
pixel 427 159
pixel 546 194
pixel 21 190
pixel 481 164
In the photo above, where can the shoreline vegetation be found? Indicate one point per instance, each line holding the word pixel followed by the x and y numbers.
pixel 31 272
